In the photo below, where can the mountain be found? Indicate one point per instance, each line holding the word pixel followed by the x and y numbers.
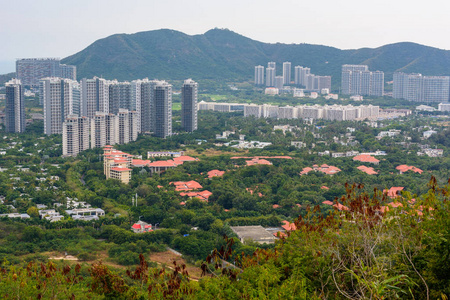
pixel 224 54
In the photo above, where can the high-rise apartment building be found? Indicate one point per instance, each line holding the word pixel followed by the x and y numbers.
pixel 147 95
pixel 317 83
pixel 68 71
pixel 162 109
pixel 94 96
pixel 119 96
pixel 270 77
pixel 279 82
pixel 31 70
pixel 287 73
pixel 14 107
pixel 418 88
pixel 272 64
pixel 259 75
pixel 75 135
pixel 57 95
pixel 358 80
pixel 301 75
pixel 189 105
pixel 98 130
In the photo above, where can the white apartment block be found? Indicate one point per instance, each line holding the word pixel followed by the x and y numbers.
pixel 94 96
pixel 252 110
pixel 287 73
pixel 57 96
pixel 259 75
pixel 358 80
pixel 75 135
pixel 270 77
pixel 418 88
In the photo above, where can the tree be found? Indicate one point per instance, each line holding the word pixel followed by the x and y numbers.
pixel 33 212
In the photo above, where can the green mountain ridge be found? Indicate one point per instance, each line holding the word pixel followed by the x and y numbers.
pixel 221 54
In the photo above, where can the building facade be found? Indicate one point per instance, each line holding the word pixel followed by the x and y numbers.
pixel 418 88
pixel 57 95
pixel 259 75
pixel 30 70
pixel 14 107
pixel 287 73
pixel 162 109
pixel 189 106
pixel 270 77
pixel 358 80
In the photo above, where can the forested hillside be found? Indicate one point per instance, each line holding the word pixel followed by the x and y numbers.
pixel 225 55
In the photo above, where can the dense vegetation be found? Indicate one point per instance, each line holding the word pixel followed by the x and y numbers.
pixel 225 55
pixel 356 254
pixel 360 253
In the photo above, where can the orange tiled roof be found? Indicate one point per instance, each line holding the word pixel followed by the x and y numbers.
pixel 393 191
pixel 366 158
pixel 184 158
pixel 323 187
pixel 275 206
pixel 120 169
pixel 405 168
pixel 367 170
pixel 340 206
pixel 257 161
pixel 214 173
pixel 163 163
pixel 187 185
pixel 288 226
pixel 327 202
pixel 306 171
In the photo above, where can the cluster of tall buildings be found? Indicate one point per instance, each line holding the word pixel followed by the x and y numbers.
pixel 98 112
pixel 358 80
pixel 327 112
pixel 30 70
pixel 302 77
pixel 82 133
pixel 418 88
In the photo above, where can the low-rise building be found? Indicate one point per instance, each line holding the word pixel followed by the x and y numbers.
pixel 255 233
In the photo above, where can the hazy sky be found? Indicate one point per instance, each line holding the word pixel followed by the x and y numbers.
pixel 59 28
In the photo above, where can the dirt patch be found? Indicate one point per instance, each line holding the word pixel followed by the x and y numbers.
pixel 64 257
pixel 168 257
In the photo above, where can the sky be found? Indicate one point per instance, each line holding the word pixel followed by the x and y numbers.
pixel 59 28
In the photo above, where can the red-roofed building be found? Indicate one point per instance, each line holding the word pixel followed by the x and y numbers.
pixel 327 202
pixel 275 206
pixel 203 195
pixel 323 187
pixel 116 164
pixel 257 161
pixel 184 158
pixel 394 191
pixel 162 165
pixel 340 206
pixel 215 173
pixel 366 158
pixel 141 227
pixel 367 170
pixel 187 185
pixel 329 170
pixel 306 171
pixel 405 168
pixel 139 163
pixel 288 226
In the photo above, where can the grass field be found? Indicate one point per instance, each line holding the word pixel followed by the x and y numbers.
pixel 216 97
pixel 176 106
